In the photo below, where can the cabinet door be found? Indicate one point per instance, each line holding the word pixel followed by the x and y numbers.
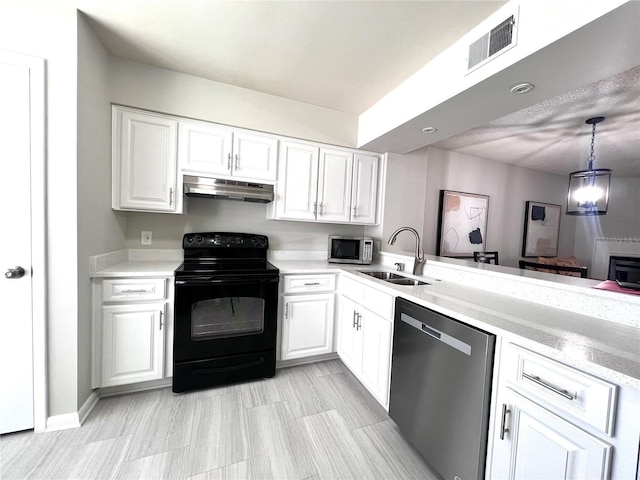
pixel 307 325
pixel 255 157
pixel 205 148
pixel 132 343
pixel 365 187
pixel 334 185
pixel 376 355
pixel 298 182
pixel 145 162
pixel 539 444
pixel 350 335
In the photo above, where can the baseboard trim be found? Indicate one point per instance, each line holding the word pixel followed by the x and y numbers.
pixel 88 406
pixel 134 387
pixel 62 422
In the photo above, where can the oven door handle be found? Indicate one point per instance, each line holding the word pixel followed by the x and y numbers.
pixel 232 280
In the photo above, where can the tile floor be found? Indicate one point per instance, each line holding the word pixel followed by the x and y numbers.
pixel 313 421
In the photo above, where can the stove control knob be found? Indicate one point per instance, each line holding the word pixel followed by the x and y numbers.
pixel 217 240
pixel 254 241
pixel 263 241
pixel 199 239
pixel 189 240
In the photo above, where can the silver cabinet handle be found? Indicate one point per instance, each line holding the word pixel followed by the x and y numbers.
pixel 355 211
pixel 503 429
pixel 161 314
pixel 356 320
pixel 15 272
pixel 170 196
pixel 131 290
pixel 538 381
pixel 236 167
pixel 286 310
pixel 315 209
pixel 321 208
pixel 229 161
pixel 311 283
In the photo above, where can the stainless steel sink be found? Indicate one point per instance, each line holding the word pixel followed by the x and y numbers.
pixel 385 275
pixel 395 278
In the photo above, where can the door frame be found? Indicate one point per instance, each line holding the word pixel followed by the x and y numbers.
pixel 37 114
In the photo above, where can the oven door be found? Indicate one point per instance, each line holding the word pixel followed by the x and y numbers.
pixel 223 316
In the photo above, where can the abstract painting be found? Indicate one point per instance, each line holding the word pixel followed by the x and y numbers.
pixel 462 224
pixel 541 230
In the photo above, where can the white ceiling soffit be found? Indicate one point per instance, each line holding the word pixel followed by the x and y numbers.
pixel 342 55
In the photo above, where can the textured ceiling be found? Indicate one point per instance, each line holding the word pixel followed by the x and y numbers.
pixel 552 135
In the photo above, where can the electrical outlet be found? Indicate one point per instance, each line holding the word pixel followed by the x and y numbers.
pixel 145 238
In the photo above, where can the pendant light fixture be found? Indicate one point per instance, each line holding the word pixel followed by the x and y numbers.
pixel 589 189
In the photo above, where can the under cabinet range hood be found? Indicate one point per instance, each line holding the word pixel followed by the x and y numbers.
pixel 195 186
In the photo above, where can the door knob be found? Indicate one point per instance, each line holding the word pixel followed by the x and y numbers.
pixel 16 272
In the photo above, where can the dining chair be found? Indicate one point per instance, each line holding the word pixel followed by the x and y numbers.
pixel 486 257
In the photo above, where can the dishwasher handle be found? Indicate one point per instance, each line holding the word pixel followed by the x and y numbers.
pixel 436 334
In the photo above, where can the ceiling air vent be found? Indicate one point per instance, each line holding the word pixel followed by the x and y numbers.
pixel 499 38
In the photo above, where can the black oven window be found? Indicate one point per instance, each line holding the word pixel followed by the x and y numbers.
pixel 227 317
pixel 346 249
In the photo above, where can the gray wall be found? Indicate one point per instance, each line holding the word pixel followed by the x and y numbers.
pixel 621 221
pixel 100 229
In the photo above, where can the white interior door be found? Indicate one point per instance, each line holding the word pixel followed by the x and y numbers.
pixel 16 329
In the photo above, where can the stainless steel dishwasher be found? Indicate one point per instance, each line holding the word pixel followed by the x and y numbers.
pixel 441 389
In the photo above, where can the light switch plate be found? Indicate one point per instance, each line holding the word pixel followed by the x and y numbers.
pixel 145 238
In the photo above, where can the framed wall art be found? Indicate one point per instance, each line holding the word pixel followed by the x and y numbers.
pixel 541 230
pixel 462 224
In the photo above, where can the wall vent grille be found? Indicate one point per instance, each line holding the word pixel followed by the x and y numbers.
pixel 499 38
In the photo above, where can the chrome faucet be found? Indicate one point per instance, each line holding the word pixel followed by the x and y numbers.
pixel 419 261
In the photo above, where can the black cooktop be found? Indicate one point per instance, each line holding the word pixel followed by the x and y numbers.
pixel 225 253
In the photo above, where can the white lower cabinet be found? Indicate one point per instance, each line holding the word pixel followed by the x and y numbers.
pixel 132 343
pixel 364 336
pixel 307 315
pixel 132 330
pixel 539 444
pixel 554 422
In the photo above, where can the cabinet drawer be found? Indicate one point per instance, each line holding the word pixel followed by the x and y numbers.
pixel 119 290
pixel 309 283
pixel 371 298
pixel 561 388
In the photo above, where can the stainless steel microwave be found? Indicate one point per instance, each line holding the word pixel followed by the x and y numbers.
pixel 344 249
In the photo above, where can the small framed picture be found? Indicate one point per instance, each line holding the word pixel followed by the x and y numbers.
pixel 541 230
pixel 462 224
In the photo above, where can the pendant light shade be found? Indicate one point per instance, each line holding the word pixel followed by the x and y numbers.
pixel 589 189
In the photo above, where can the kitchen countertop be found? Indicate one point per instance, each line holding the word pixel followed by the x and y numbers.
pixel 605 348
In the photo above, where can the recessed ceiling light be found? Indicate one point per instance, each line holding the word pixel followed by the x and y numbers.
pixel 429 129
pixel 522 88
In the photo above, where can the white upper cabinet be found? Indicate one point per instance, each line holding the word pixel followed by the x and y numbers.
pixel 334 186
pixel 255 156
pixel 325 185
pixel 205 148
pixel 365 188
pixel 296 191
pixel 145 162
pixel 210 149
